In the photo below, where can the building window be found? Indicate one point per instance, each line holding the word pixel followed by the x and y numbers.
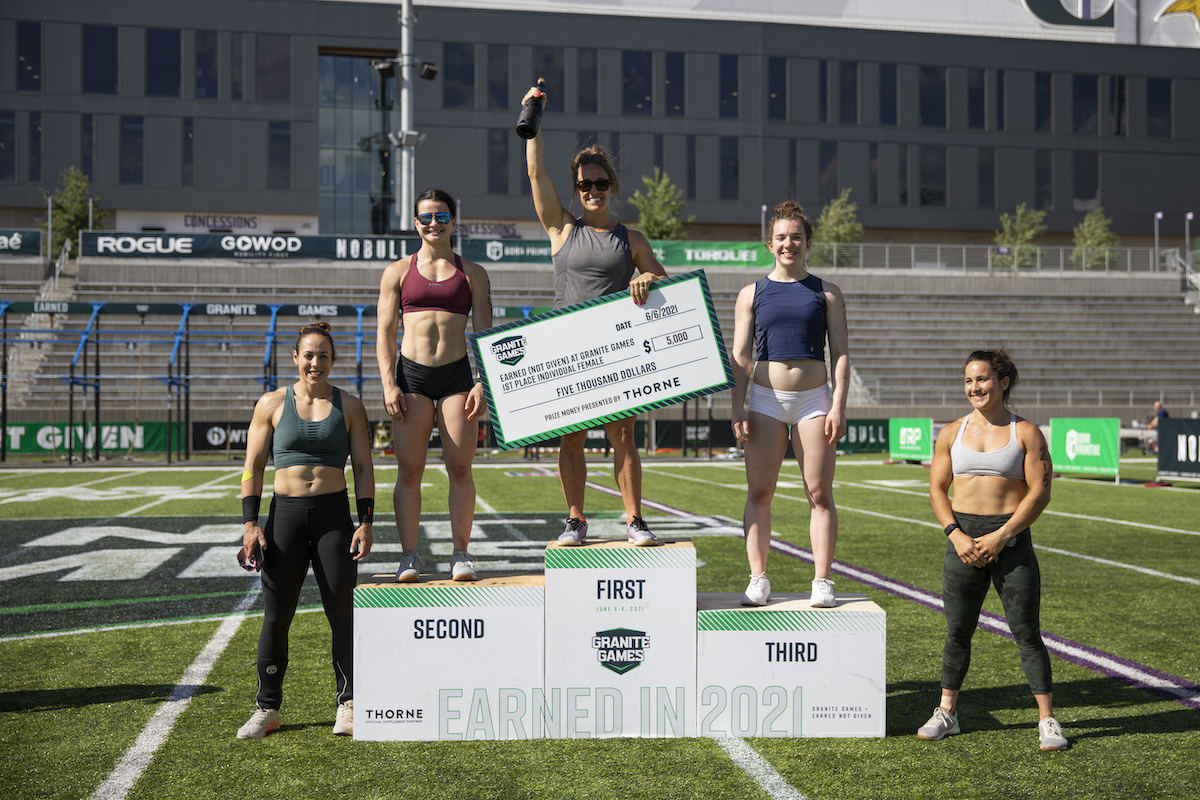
pixel 497 56
pixel 658 152
pixel 793 170
pixel 99 59
pixel 497 161
pixel 614 147
pixel 691 168
pixel 635 82
pixel 279 156
pixel 1000 122
pixel 933 97
pixel 8 145
pixel 189 151
pixel 29 56
pixel 828 174
pixel 1043 179
pixel 87 148
pixel 729 87
pixel 1085 104
pixel 933 175
pixel 675 83
pixel 873 172
pixel 888 93
pixel 35 146
pixel 133 151
pixel 589 81
pixel 777 88
pixel 987 178
pixel 848 97
pixel 1085 181
pixel 164 66
pixel 976 99
pixel 823 91
pixel 586 139
pixel 729 167
pixel 458 75
pixel 903 163
pixel 1158 107
pixel 1118 106
pixel 1043 102
pixel 551 63
pixel 273 67
pixel 237 66
pixel 207 74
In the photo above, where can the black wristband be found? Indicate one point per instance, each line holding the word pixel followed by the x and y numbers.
pixel 951 528
pixel 250 505
pixel 366 510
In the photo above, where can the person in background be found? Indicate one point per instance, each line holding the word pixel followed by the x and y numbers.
pixel 1160 414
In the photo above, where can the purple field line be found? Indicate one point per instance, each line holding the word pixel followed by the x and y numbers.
pixel 1130 672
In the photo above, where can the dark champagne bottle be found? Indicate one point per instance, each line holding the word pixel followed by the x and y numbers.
pixel 531 115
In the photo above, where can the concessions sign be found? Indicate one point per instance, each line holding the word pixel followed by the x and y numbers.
pixel 278 247
pixel 1179 449
pixel 1091 445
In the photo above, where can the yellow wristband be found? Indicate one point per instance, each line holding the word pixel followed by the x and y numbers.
pixel 247 475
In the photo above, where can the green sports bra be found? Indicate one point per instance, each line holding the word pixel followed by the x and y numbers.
pixel 299 442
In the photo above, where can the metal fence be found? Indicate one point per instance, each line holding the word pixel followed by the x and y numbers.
pixel 991 258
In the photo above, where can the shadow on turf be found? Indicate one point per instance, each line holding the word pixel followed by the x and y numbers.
pixel 59 699
pixel 910 703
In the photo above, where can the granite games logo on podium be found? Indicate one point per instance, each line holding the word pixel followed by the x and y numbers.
pixel 621 649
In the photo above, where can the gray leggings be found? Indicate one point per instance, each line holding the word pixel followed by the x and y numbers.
pixel 1019 583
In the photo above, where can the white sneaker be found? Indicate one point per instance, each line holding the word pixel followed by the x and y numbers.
pixel 410 563
pixel 1050 735
pixel 758 592
pixel 939 726
pixel 343 723
pixel 262 722
pixel 575 533
pixel 822 594
pixel 462 567
pixel 640 534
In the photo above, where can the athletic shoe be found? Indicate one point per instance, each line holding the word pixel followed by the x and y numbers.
pixel 822 594
pixel 575 533
pixel 640 535
pixel 462 567
pixel 408 571
pixel 343 724
pixel 758 592
pixel 940 725
pixel 261 723
pixel 1050 735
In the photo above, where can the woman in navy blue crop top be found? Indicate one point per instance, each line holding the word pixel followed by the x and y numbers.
pixel 781 324
pixel 1000 469
pixel 432 293
pixel 311 427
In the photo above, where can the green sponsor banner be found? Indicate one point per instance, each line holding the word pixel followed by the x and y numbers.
pixel 865 436
pixel 115 437
pixel 670 253
pixel 910 439
pixel 1087 444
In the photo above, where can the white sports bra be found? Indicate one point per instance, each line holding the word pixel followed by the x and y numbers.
pixel 1007 462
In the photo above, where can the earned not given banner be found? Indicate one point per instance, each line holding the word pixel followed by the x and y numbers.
pixel 591 363
pixel 1090 444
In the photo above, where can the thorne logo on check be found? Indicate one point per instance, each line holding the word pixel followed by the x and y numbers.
pixel 581 366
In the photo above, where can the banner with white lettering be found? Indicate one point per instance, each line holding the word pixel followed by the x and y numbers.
pixel 108 244
pixel 1090 445
pixel 324 310
pixel 20 242
pixel 910 439
pixel 115 437
pixel 1179 449
pixel 598 361
pixel 688 255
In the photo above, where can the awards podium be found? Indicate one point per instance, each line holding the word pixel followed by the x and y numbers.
pixel 612 641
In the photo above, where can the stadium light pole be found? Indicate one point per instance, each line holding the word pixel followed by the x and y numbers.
pixel 1187 238
pixel 404 187
pixel 1157 216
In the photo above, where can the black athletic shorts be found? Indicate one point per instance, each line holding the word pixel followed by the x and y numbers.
pixel 434 382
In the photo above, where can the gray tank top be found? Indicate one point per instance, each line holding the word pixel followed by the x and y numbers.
pixel 1007 462
pixel 591 264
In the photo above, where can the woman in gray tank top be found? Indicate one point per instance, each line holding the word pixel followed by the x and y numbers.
pixel 593 255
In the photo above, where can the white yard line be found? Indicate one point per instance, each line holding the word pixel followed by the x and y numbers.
pixel 760 769
pixel 181 496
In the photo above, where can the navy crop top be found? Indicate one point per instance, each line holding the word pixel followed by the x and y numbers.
pixel 789 320
pixel 325 442
pixel 418 293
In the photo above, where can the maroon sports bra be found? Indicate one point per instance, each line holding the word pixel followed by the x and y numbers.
pixel 417 293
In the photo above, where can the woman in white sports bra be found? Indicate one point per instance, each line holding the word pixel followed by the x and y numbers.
pixel 1000 468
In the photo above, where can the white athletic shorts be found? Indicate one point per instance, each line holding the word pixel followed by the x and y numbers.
pixel 790 407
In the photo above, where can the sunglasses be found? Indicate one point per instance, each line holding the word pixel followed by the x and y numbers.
pixel 586 186
pixel 427 219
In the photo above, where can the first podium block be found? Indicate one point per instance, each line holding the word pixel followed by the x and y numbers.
pixel 441 660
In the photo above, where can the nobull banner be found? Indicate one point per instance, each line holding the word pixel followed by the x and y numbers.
pixel 109 244
pixel 1179 449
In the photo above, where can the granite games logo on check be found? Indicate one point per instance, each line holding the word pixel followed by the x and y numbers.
pixel 510 351
pixel 620 649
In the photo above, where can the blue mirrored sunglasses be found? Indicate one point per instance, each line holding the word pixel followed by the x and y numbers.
pixel 427 219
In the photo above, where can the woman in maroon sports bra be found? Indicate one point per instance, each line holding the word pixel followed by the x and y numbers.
pixel 432 293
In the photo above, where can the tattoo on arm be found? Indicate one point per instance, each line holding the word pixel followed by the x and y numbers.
pixel 1046 461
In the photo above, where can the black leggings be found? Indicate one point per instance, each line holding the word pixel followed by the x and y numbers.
pixel 300 531
pixel 1017 579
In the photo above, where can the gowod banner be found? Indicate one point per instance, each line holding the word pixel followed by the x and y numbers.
pixel 865 436
pixel 240 246
pixel 1179 449
pixel 115 437
pixel 1089 444
pixel 910 439
pixel 20 242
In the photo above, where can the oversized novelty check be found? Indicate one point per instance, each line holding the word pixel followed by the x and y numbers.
pixel 590 363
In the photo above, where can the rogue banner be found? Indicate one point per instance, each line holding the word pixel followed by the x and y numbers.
pixel 1090 445
pixel 109 244
pixel 1179 449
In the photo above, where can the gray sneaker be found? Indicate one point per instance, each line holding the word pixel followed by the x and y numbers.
pixel 343 723
pixel 640 535
pixel 939 726
pixel 758 592
pixel 1050 735
pixel 575 533
pixel 462 567
pixel 262 722
pixel 409 569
